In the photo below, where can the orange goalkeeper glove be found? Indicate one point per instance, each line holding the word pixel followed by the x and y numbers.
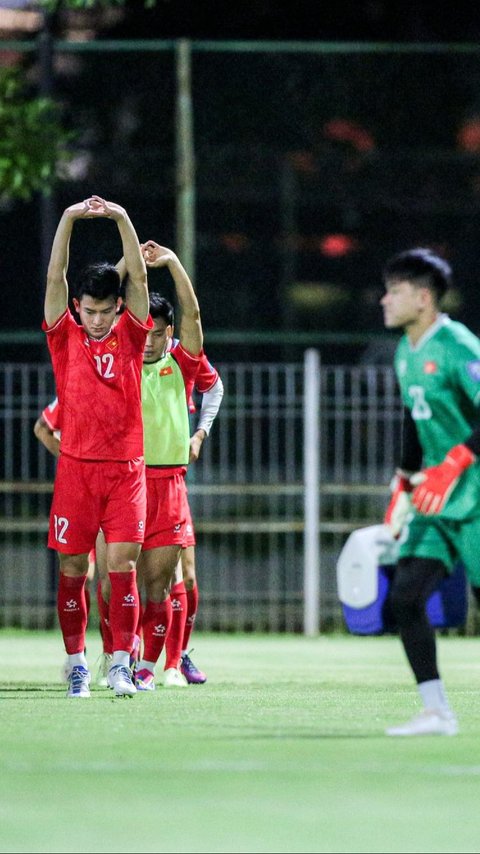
pixel 434 485
pixel 400 505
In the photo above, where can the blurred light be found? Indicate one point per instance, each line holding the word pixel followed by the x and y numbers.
pixel 468 136
pixel 318 296
pixel 337 245
pixel 344 130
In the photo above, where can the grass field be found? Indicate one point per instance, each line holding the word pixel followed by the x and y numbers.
pixel 282 750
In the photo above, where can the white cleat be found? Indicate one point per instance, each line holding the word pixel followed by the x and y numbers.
pixel 428 722
pixel 78 682
pixel 120 679
pixel 104 665
pixel 172 678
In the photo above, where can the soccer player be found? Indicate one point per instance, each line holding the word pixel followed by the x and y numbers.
pixel 184 593
pixel 47 431
pixel 100 477
pixel 436 504
pixel 167 378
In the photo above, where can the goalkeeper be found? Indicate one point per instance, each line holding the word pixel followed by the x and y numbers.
pixel 435 505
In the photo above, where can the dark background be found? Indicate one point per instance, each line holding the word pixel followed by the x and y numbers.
pixel 311 167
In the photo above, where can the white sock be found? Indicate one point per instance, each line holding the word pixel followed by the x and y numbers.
pixel 78 659
pixel 146 665
pixel 433 694
pixel 121 657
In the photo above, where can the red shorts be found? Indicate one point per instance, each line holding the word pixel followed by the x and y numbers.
pixel 90 495
pixel 167 508
pixel 190 537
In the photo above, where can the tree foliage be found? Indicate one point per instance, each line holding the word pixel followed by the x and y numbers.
pixel 32 140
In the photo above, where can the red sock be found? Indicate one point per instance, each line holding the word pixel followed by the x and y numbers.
pixel 72 612
pixel 123 609
pixel 105 629
pixel 192 608
pixel 173 644
pixel 157 618
pixel 87 598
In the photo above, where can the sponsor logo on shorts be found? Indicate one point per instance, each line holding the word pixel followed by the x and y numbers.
pixel 141 525
pixel 177 528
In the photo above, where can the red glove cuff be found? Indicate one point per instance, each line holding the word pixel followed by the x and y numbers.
pixel 460 457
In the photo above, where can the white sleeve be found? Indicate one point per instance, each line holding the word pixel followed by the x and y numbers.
pixel 211 401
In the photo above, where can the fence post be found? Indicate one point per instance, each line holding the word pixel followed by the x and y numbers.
pixel 311 480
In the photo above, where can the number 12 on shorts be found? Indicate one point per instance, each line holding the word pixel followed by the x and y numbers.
pixel 61 525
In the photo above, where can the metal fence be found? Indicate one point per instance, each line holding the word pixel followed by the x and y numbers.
pixel 261 472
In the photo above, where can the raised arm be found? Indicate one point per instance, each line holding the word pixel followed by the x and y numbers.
pixel 56 294
pixel 191 334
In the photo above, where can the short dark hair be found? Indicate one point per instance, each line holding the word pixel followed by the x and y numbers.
pixel 160 307
pixel 422 268
pixel 100 281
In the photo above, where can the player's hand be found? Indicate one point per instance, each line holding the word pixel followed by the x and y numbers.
pixel 156 255
pixel 434 485
pixel 196 443
pixel 79 210
pixel 100 207
pixel 400 504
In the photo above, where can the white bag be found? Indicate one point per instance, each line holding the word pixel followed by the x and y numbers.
pixel 357 566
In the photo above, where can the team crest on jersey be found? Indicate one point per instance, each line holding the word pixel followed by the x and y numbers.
pixel 164 372
pixel 430 368
pixel 112 344
pixel 473 370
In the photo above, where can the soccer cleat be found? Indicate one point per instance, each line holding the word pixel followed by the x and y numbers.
pixel 144 680
pixel 172 678
pixel 192 674
pixel 120 679
pixel 104 665
pixel 78 682
pixel 428 722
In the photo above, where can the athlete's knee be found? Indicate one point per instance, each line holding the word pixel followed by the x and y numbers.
pixel 74 565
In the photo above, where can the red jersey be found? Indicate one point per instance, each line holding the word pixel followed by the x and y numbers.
pixel 99 387
pixel 51 416
pixel 205 379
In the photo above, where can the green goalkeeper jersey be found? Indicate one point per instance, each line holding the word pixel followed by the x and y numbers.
pixel 439 381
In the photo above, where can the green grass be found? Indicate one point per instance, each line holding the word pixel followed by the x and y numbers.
pixel 282 750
